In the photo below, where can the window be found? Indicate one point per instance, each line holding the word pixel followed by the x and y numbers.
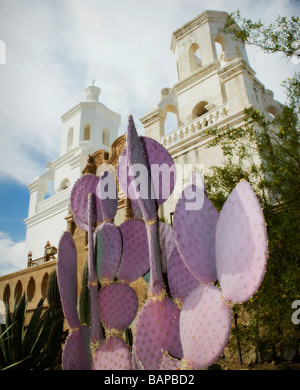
pixel 87 133
pixel 31 289
pixel 105 136
pixel 18 291
pixel 195 59
pixel 44 285
pixel 6 294
pixel 64 184
pixel 199 109
pixel 70 138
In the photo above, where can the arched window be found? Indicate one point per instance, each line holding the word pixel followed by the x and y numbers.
pixel 44 284
pixel 87 132
pixel 31 289
pixel 105 136
pixel 272 110
pixel 64 184
pixel 70 138
pixel 199 109
pixel 18 291
pixel 195 59
pixel 6 294
pixel 220 43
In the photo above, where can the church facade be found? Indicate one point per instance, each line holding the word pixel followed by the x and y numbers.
pixel 215 83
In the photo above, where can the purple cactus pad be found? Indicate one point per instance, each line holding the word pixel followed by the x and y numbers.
pixel 205 325
pixel 157 331
pixel 167 243
pixel 181 281
pixel 108 250
pixel 67 278
pixel 118 305
pixel 195 231
pixel 112 354
pixel 107 196
pixel 241 244
pixel 76 353
pixel 87 184
pixel 135 258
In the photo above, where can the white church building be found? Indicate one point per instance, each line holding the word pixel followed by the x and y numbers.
pixel 215 83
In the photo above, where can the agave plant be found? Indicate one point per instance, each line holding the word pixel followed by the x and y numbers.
pixel 38 345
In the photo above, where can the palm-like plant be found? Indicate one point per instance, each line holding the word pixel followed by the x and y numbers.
pixel 37 345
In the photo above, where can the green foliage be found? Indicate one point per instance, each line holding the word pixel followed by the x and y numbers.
pixel 38 345
pixel 266 152
pixel 278 36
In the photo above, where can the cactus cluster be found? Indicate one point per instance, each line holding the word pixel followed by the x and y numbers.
pixel 197 269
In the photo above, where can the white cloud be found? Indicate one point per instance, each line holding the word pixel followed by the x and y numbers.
pixel 55 49
pixel 12 255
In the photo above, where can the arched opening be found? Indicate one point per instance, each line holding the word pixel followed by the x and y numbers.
pixel 18 291
pixel 87 132
pixel 199 109
pixel 70 138
pixel 6 293
pixel 105 136
pixel 171 122
pixel 64 185
pixel 195 58
pixel 272 110
pixel 44 285
pixel 31 289
pixel 50 189
pixel 220 47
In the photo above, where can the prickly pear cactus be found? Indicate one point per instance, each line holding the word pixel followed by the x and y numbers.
pixel 186 323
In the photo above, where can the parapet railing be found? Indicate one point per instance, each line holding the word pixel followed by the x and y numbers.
pixel 198 125
pixel 54 199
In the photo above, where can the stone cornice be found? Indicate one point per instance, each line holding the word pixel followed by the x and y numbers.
pixel 204 17
pixel 29 270
pixel 151 117
pixel 95 106
pixel 197 77
pixel 235 67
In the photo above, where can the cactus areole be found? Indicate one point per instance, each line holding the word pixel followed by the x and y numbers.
pixel 186 320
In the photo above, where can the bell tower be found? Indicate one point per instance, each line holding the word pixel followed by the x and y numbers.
pixel 214 85
pixel 194 44
pixel 215 80
pixel 87 127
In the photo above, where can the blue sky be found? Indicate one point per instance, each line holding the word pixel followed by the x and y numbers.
pixel 55 48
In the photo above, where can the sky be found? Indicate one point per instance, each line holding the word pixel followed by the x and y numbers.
pixel 53 51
